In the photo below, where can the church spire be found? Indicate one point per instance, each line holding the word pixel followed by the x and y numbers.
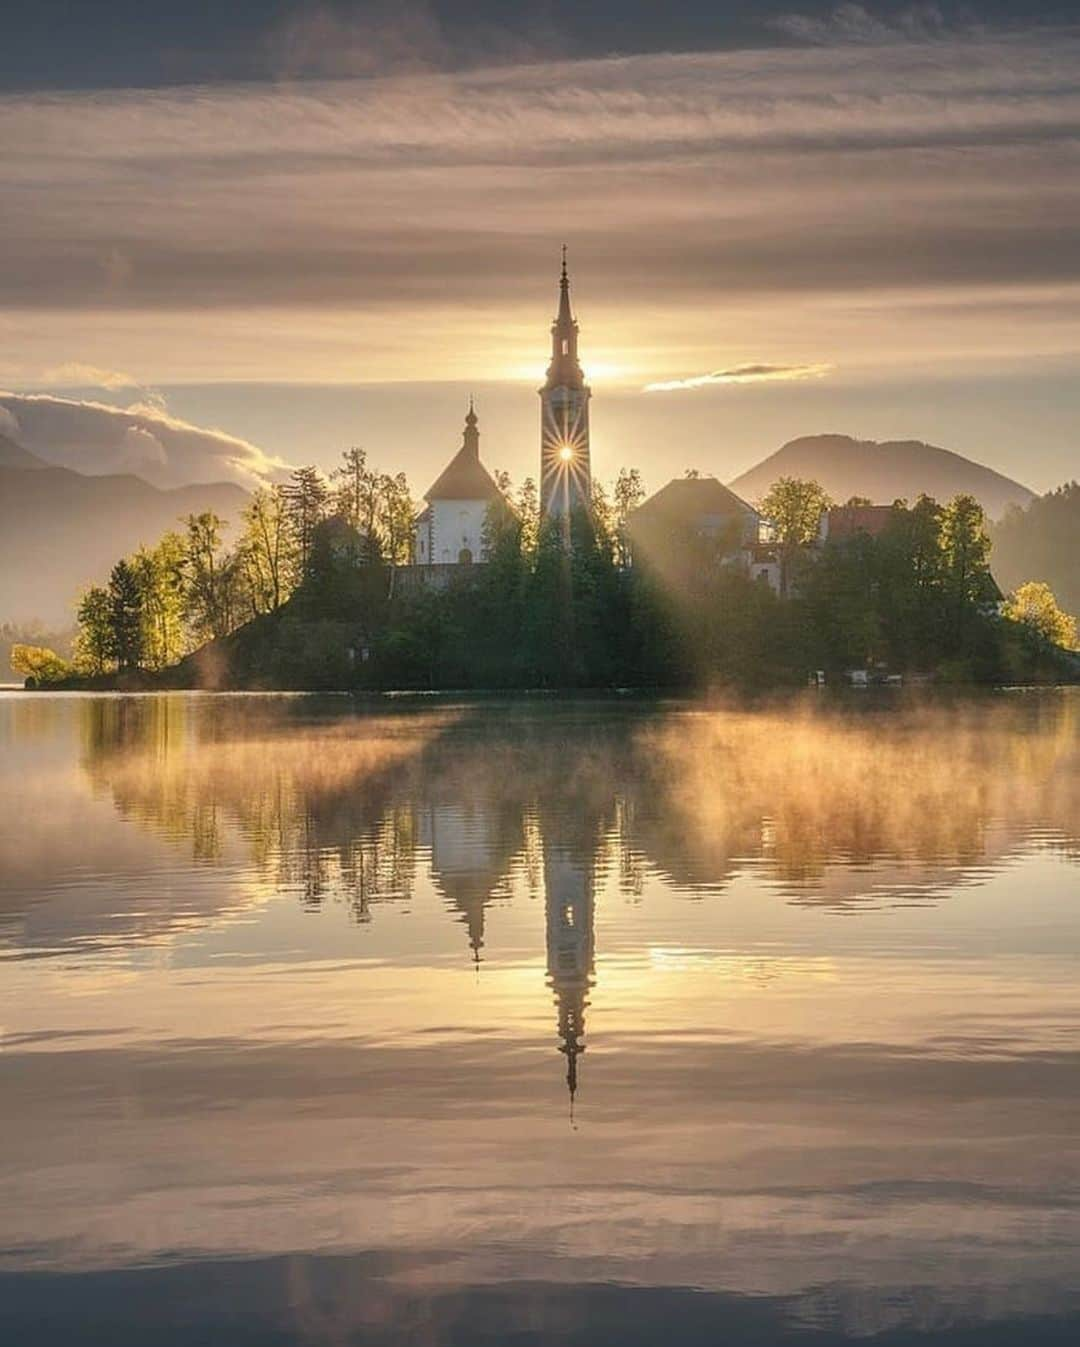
pixel 564 370
pixel 470 441
pixel 565 473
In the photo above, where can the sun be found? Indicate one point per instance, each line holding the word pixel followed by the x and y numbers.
pixel 566 453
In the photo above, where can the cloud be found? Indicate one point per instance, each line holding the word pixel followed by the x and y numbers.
pixel 855 24
pixel 396 37
pixel 378 229
pixel 143 438
pixel 74 374
pixel 741 374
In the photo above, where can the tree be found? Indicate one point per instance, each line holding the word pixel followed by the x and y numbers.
pixel 39 665
pixel 209 578
pixel 356 494
pixel 628 495
pixel 965 546
pixel 306 497
pixel 159 573
pixel 528 509
pixel 1034 605
pixel 267 551
pixel 794 508
pixel 92 643
pixel 396 513
pixel 125 617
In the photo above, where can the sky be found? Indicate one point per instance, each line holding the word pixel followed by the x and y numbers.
pixel 310 225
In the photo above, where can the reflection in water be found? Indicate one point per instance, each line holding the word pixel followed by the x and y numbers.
pixel 288 978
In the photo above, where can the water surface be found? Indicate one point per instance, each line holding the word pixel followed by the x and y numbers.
pixel 539 1022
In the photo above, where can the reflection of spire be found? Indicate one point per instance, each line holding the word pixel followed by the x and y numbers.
pixel 471 838
pixel 568 883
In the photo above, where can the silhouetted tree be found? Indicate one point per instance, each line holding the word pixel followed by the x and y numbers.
pixel 125 617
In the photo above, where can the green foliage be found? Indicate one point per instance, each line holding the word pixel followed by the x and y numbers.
pixel 31 633
pixel 267 552
pixel 125 641
pixel 39 666
pixel 159 575
pixel 1033 604
pixel 306 497
pixel 93 644
pixel 312 596
pixel 794 508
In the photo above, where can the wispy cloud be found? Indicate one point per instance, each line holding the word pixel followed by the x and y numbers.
pixel 856 24
pixel 368 229
pixel 143 438
pixel 741 374
pixel 74 374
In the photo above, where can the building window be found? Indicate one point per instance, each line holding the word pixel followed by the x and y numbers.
pixel 565 347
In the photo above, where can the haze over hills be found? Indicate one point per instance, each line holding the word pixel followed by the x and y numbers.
pixel 883 471
pixel 13 455
pixel 61 531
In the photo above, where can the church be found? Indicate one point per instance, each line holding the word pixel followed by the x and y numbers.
pixel 449 531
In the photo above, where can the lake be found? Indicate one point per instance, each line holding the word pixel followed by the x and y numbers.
pixel 527 1021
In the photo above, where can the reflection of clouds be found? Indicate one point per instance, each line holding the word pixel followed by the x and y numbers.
pixel 928 1157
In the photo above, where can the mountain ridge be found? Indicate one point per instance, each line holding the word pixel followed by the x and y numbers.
pixel 13 455
pixel 884 471
pixel 61 530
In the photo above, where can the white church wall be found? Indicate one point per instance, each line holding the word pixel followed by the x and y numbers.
pixel 455 527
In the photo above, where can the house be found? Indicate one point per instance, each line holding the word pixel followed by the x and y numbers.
pixel 703 508
pixel 844 522
pixel 450 529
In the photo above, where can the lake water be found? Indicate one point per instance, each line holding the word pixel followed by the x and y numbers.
pixel 570 1022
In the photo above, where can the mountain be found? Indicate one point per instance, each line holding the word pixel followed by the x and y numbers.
pixel 884 472
pixel 61 531
pixel 1042 542
pixel 13 455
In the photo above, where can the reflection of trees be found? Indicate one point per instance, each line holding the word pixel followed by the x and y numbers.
pixel 921 796
pixel 314 801
pixel 341 805
pixel 832 806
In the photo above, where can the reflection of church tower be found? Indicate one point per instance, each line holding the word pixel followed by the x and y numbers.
pixel 565 471
pixel 568 885
pixel 472 841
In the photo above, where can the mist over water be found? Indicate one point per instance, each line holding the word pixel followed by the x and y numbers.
pixel 546 1022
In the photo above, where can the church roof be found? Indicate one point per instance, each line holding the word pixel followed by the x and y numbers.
pixel 465 477
pixel 685 497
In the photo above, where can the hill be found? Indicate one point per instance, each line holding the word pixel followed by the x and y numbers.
pixel 61 531
pixel 1042 542
pixel 13 455
pixel 884 472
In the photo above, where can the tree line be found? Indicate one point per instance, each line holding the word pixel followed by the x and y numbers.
pixel 307 595
pixel 192 586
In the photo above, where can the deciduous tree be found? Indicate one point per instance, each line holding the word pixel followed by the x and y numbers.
pixel 1034 605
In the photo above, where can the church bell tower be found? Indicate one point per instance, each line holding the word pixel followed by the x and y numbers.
pixel 565 470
